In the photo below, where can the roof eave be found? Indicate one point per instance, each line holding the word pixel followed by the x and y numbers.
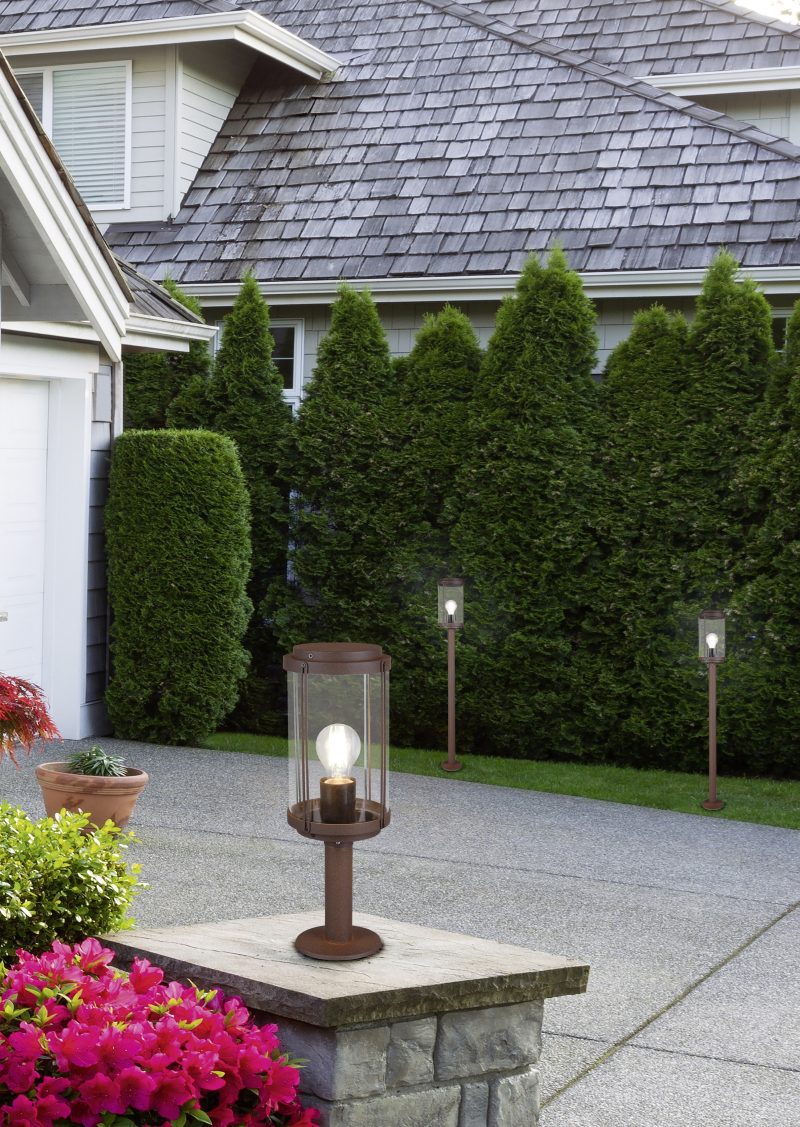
pixel 161 334
pixel 248 28
pixel 490 287
pixel 726 81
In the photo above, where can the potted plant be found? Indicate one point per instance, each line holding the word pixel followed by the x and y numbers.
pixel 95 782
pixel 86 1045
pixel 23 717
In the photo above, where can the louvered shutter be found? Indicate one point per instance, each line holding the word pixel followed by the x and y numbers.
pixel 33 85
pixel 89 129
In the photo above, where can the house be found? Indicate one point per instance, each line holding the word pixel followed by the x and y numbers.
pixel 68 311
pixel 424 148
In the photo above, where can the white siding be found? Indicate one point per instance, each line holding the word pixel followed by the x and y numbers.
pixel 148 125
pixel 774 111
pixel 211 80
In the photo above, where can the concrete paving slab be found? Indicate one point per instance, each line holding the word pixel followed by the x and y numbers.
pixel 748 1011
pixel 650 1088
pixel 564 1057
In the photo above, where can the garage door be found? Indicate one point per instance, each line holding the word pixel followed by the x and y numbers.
pixel 23 497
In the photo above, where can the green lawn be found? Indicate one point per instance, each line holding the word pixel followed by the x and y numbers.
pixel 767 801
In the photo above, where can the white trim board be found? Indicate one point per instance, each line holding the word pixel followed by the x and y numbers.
pixel 726 81
pixel 141 331
pixel 490 287
pixel 248 28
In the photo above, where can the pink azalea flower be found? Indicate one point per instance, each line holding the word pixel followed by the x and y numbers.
pixel 101 1093
pixel 171 1093
pixel 136 1088
pixel 144 977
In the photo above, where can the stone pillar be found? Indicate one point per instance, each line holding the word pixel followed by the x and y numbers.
pixel 438 1028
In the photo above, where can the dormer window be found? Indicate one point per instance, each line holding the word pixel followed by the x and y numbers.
pixel 86 112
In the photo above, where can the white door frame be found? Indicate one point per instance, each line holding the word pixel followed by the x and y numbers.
pixel 69 367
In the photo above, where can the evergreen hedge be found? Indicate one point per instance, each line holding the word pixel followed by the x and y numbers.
pixel 523 538
pixel 244 400
pixel 177 523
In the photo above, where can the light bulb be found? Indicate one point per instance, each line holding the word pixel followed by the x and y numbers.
pixel 711 641
pixel 451 606
pixel 338 746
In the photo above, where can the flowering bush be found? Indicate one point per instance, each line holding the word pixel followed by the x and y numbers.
pixel 83 1044
pixel 23 716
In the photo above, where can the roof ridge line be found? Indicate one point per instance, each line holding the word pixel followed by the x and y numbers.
pixel 552 50
pixel 731 8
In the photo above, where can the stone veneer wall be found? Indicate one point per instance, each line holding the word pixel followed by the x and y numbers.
pixel 471 1068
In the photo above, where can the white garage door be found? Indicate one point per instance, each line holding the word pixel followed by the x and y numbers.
pixel 23 497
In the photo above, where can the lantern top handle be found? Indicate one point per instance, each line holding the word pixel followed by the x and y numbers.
pixel 337 657
pixel 711 613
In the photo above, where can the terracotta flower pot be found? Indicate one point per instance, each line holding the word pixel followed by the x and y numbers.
pixel 99 796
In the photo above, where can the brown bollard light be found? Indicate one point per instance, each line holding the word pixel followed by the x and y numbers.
pixel 338 767
pixel 711 643
pixel 451 618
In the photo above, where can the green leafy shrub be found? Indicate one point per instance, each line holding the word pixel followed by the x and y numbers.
pixel 57 882
pixel 178 534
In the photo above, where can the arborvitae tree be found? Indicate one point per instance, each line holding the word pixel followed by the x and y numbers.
pixel 436 395
pixel 246 403
pixel 153 380
pixel 731 358
pixel 641 677
pixel 761 706
pixel 352 540
pixel 523 537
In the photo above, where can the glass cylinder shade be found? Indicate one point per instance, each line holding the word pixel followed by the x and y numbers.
pixel 451 603
pixel 711 635
pixel 338 739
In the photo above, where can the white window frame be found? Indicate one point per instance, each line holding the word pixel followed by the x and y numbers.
pixel 294 394
pixel 47 117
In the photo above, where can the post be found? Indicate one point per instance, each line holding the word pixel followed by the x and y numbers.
pixel 339 891
pixel 451 763
pixel 712 803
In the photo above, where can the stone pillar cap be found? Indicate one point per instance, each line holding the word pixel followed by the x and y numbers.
pixel 420 970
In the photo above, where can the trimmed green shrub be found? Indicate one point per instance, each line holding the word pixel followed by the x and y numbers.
pixel 154 380
pixel 59 883
pixel 245 402
pixel 178 535
pixel 523 537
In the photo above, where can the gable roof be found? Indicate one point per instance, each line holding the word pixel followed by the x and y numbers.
pixel 655 36
pixel 450 144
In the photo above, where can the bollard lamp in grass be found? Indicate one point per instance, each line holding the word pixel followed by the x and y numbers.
pixel 338 768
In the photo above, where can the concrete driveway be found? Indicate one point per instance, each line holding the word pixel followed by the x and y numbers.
pixel 690 923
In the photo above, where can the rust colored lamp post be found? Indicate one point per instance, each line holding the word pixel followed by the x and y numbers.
pixel 711 641
pixel 451 618
pixel 338 759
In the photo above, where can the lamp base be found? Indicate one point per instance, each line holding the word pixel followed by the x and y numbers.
pixel 709 805
pixel 314 944
pixel 448 766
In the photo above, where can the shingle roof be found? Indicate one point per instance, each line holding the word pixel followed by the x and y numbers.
pixel 151 299
pixel 444 146
pixel 36 15
pixel 655 36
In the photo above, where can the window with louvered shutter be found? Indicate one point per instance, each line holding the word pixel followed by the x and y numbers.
pixel 86 111
pixel 90 129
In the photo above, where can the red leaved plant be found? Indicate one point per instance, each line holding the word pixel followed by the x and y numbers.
pixel 23 716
